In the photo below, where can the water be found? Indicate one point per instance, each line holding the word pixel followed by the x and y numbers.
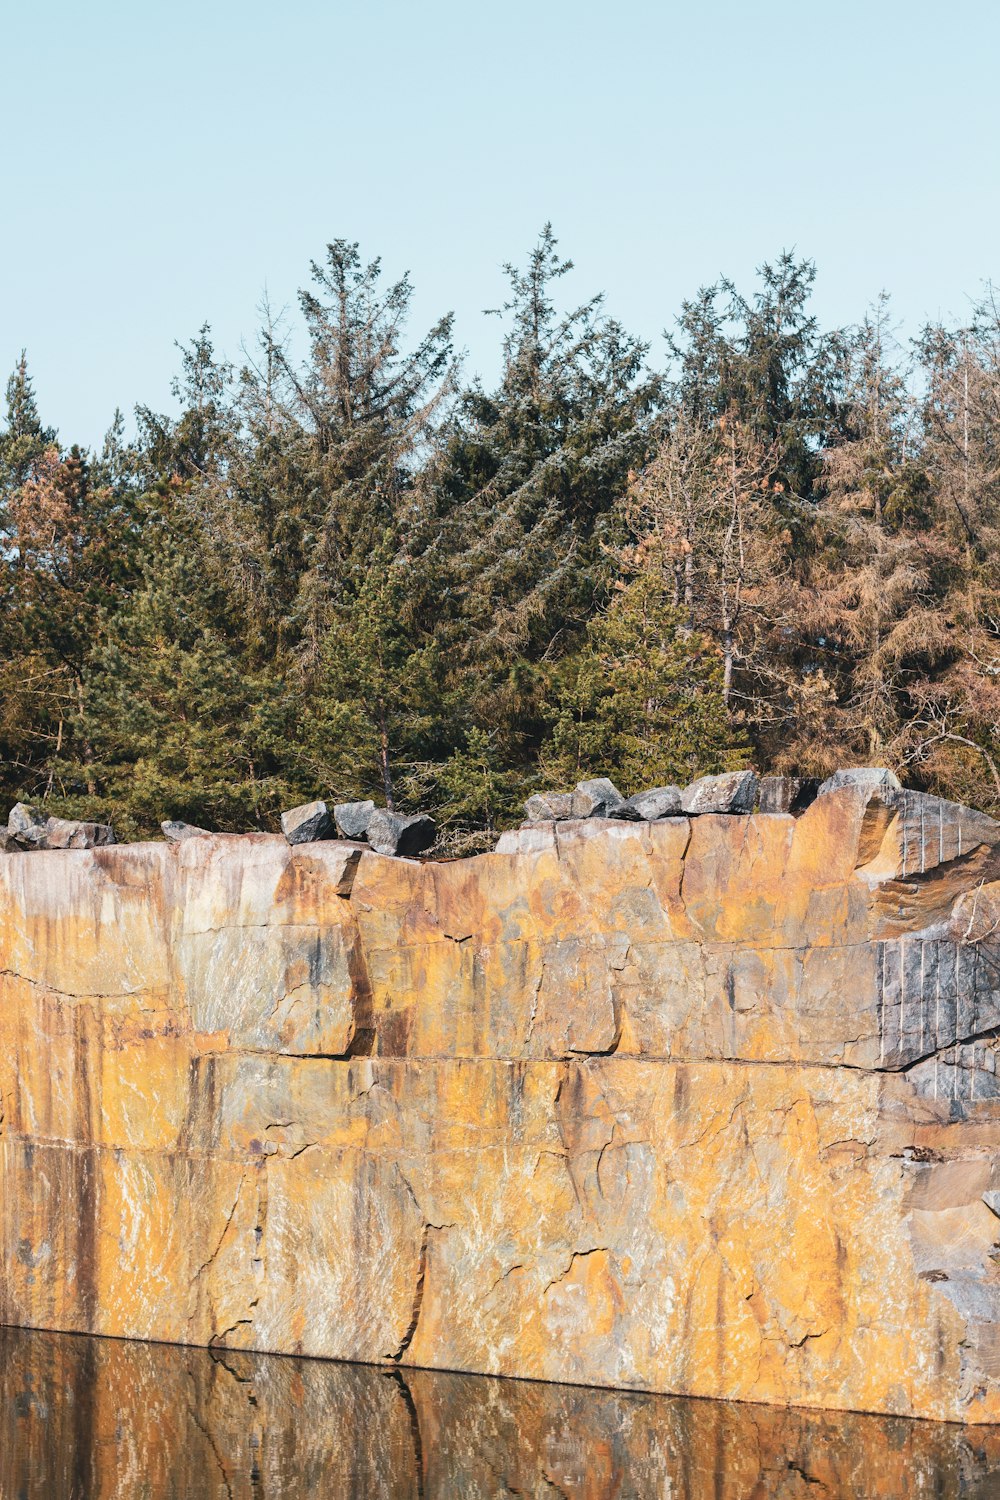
pixel 97 1419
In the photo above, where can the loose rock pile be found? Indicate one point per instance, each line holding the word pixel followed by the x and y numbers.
pixel 362 822
pixel 405 835
pixel 731 792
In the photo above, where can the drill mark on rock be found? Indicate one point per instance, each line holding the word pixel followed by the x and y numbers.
pixel 533 1012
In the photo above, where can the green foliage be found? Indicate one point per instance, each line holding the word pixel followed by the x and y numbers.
pixel 477 793
pixel 176 727
pixel 642 701
pixel 343 570
pixel 374 704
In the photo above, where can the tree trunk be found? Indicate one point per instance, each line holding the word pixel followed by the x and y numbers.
pixel 384 763
pixel 85 745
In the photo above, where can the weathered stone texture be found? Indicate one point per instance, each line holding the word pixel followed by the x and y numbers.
pixel 700 1105
pixel 110 1420
pixel 307 824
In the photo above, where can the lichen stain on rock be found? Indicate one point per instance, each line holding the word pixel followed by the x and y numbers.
pixel 707 1105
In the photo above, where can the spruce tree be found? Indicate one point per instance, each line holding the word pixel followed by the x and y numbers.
pixel 643 700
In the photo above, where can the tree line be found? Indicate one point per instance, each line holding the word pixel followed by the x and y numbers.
pixel 346 570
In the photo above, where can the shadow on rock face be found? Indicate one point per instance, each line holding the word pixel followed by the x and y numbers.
pixel 96 1417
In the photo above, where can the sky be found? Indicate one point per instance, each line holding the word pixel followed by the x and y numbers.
pixel 166 164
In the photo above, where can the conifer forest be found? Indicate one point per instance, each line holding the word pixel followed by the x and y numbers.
pixel 343 568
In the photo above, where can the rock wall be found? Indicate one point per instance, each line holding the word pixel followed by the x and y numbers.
pixel 109 1420
pixel 707 1105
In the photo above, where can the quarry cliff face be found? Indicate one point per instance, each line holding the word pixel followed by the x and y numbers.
pixel 707 1105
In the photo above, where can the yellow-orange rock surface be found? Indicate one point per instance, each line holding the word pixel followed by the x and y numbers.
pixel 705 1106
pixel 110 1420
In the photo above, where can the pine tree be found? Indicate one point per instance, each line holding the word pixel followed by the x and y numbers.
pixel 370 721
pixel 763 361
pixel 177 725
pixel 643 701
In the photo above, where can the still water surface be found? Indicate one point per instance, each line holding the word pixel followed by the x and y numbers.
pixel 95 1419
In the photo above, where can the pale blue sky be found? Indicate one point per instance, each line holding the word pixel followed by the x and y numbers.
pixel 163 162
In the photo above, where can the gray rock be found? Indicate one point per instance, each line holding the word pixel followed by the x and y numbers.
pixel 70 833
pixel 176 832
pixel 872 779
pixel 306 824
pixel 599 798
pixel 32 828
pixel 28 825
pixel 787 794
pixel 352 819
pixel 543 807
pixel 8 843
pixel 992 1201
pixel 658 802
pixel 394 833
pixel 732 792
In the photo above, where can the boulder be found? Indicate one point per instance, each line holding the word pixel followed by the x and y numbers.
pixel 600 798
pixel 395 833
pixel 32 828
pixel 8 843
pixel 543 807
pixel 352 819
pixel 27 825
pixel 307 824
pixel 871 779
pixel 731 792
pixel 787 794
pixel 177 832
pixel 70 833
pixel 658 802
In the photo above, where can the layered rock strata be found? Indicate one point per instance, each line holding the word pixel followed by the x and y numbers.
pixel 705 1105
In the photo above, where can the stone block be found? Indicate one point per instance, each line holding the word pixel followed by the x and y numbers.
pixel 730 792
pixel 308 823
pixel 599 798
pixel 658 802
pixel 176 832
pixel 545 806
pixel 396 833
pixel 787 794
pixel 352 819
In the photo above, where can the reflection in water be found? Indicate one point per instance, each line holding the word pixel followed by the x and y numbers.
pixel 92 1419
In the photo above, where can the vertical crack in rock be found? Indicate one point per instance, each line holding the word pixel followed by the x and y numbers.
pixel 418 1295
pixel 413 1417
pixel 206 1433
pixel 532 1015
pixel 682 859
pixel 225 1230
